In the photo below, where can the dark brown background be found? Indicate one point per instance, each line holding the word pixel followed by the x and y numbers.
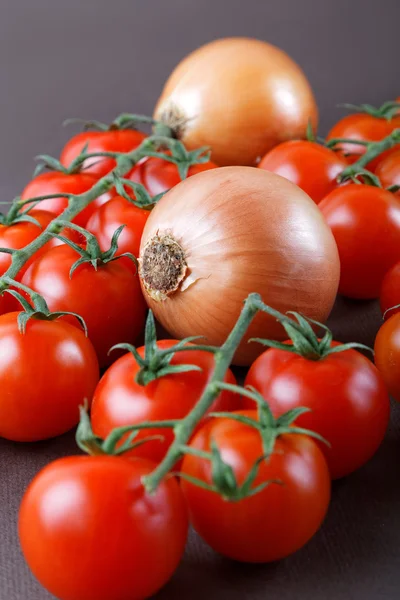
pixel 96 58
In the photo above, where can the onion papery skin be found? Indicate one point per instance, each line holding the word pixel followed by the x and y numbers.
pixel 239 96
pixel 241 230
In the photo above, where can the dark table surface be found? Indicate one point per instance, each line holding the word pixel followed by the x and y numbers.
pixel 95 59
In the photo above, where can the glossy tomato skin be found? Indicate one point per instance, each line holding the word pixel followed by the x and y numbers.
pixel 116 140
pixel 362 127
pixel 89 531
pixel 54 182
pixel 388 169
pixel 158 175
pixel 348 402
pixel 20 235
pixel 365 222
pixel 387 354
pixel 273 523
pixel 106 219
pixel 45 375
pixel 390 292
pixel 119 400
pixel 109 299
pixel 311 166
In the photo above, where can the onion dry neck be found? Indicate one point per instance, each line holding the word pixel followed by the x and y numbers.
pixel 162 266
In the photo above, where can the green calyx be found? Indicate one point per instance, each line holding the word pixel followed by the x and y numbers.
pixel 178 155
pixel 156 362
pixel 387 111
pixel 53 164
pixel 123 121
pixel 38 309
pixel 142 198
pixel 92 253
pixel 305 341
pixel 16 214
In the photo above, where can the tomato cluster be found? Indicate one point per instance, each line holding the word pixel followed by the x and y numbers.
pixel 253 471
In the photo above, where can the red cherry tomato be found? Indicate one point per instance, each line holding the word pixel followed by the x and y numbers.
pixel 387 354
pixel 45 375
pixel 110 216
pixel 331 387
pixel 54 182
pixel 273 523
pixel 390 292
pixel 119 400
pixel 388 169
pixel 365 222
pixel 88 529
pixel 314 168
pixel 364 127
pixel 114 140
pixel 108 298
pixel 21 234
pixel 158 175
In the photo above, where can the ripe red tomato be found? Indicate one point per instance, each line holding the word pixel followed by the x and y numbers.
pixel 390 291
pixel 106 219
pixel 314 168
pixel 387 354
pixel 365 222
pixel 273 523
pixel 388 169
pixel 113 140
pixel 119 400
pixel 108 298
pixel 53 182
pixel 45 375
pixel 331 387
pixel 364 127
pixel 158 175
pixel 88 529
pixel 19 235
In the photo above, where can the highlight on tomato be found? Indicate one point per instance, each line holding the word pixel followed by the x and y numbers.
pixel 329 379
pixel 272 481
pixel 367 124
pixel 365 222
pixel 47 369
pixel 387 353
pixel 89 530
pixel 308 164
pixel 95 285
pixel 162 380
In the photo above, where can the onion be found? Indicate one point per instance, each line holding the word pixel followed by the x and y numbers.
pixel 239 96
pixel 227 232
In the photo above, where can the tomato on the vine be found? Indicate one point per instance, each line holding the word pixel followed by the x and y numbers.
pixel 46 373
pixel 365 221
pixel 331 387
pixel 53 182
pixel 276 521
pixel 112 140
pixel 311 166
pixel 108 297
pixel 387 354
pixel 120 400
pixel 89 530
pixel 388 169
pixel 108 217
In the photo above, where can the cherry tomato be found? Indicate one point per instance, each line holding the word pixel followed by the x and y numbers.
pixel 388 169
pixel 119 400
pixel 19 235
pixel 45 375
pixel 390 292
pixel 387 354
pixel 114 140
pixel 273 523
pixel 365 222
pixel 158 175
pixel 364 127
pixel 89 531
pixel 108 298
pixel 110 216
pixel 314 168
pixel 54 182
pixel 331 387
